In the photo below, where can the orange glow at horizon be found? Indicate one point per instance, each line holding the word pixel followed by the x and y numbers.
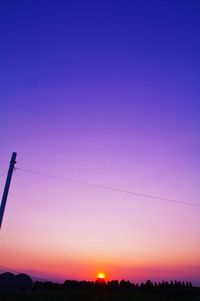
pixel 101 276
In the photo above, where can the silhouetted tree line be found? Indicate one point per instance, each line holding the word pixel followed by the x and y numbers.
pixel 176 288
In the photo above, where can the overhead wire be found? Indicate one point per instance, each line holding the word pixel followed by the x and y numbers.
pixel 7 269
pixel 105 187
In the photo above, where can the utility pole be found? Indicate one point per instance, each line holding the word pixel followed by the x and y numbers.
pixel 7 186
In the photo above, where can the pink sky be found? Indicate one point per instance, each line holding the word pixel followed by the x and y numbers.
pixel 107 93
pixel 60 230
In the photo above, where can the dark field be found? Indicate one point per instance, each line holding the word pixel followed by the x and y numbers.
pixel 90 296
pixel 100 291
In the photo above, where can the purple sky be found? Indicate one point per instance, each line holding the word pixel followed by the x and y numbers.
pixel 106 92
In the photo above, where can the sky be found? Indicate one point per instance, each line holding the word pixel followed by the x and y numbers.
pixel 105 92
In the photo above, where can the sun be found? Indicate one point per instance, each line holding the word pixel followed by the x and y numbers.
pixel 101 275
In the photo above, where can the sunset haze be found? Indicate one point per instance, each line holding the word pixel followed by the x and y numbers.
pixel 104 92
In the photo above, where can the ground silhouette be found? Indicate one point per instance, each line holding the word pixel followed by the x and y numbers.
pixel 102 290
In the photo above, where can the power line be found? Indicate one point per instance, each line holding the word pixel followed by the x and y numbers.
pixel 109 188
pixel 6 269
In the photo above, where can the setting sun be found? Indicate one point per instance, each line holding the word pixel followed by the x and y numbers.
pixel 101 276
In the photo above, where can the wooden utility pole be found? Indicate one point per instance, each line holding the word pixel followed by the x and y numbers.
pixel 7 186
